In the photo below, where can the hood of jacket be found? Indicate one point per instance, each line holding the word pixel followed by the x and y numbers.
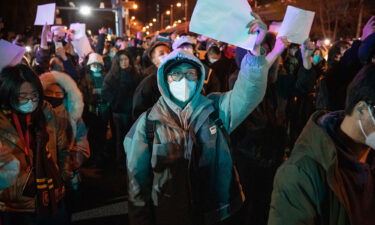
pixel 197 103
pixel 73 100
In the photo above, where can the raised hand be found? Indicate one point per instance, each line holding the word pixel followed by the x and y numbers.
pixel 258 27
pixel 307 51
pixel 369 28
pixel 45 32
pixel 103 30
pixel 281 44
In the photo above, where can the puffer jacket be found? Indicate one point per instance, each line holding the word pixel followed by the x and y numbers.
pixel 72 108
pixel 11 198
pixel 160 180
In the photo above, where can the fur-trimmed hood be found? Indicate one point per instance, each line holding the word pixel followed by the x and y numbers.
pixel 73 100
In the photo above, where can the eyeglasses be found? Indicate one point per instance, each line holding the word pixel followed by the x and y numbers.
pixel 23 97
pixel 191 75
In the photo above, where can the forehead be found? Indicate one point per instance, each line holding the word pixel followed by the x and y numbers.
pixel 27 87
pixel 162 48
pixel 123 57
pixel 54 88
pixel 183 66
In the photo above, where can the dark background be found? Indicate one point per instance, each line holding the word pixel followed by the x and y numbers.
pixel 18 14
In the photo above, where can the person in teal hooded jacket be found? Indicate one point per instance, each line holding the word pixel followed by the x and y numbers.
pixel 181 171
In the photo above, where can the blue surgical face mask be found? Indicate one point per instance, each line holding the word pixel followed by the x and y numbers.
pixel 27 107
pixel 316 59
pixel 112 55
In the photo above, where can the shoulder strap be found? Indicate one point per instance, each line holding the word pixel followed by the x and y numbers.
pixel 150 131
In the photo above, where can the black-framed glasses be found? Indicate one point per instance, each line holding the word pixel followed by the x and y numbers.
pixel 191 75
pixel 23 97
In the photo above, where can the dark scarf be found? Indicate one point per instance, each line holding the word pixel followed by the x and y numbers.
pixel 44 179
pixel 48 178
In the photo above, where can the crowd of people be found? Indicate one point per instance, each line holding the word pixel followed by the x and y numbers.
pixel 209 133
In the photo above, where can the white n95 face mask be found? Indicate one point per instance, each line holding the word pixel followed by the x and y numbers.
pixel 183 90
pixel 370 139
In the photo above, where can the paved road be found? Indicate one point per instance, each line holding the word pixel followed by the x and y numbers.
pixel 102 198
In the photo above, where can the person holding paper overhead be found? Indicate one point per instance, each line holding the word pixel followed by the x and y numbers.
pixel 178 153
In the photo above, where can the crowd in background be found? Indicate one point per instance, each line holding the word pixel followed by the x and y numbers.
pixel 92 102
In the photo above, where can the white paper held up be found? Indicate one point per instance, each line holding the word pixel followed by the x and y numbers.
pixel 79 30
pixel 10 54
pixel 225 21
pixel 45 14
pixel 82 46
pixel 296 25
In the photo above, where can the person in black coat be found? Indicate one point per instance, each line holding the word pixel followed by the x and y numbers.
pixel 147 92
pixel 118 90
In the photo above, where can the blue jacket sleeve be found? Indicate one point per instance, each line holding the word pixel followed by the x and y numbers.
pixel 248 92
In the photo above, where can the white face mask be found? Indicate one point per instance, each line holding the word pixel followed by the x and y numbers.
pixel 212 61
pixel 370 139
pixel 183 90
pixel 27 107
pixel 95 69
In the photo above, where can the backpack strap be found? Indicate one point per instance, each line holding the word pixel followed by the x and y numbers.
pixel 150 131
pixel 215 117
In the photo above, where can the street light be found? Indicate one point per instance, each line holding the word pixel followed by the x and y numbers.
pixel 150 24
pixel 135 6
pixel 168 12
pixel 133 18
pixel 85 10
pixel 178 4
pixel 154 20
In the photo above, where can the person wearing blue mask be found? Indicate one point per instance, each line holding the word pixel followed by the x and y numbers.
pixel 35 150
pixel 179 161
pixel 96 113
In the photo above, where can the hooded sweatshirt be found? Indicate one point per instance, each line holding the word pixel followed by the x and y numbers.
pixel 159 180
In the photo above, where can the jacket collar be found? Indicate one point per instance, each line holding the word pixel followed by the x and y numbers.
pixel 315 142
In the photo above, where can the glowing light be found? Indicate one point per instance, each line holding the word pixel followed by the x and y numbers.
pixel 168 27
pixel 28 49
pixel 179 21
pixel 135 6
pixel 168 12
pixel 133 18
pixel 147 33
pixel 135 23
pixel 150 24
pixel 327 42
pixel 154 20
pixel 178 4
pixel 147 26
pixel 85 10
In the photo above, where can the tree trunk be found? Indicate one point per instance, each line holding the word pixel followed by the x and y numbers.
pixel 335 28
pixel 322 24
pixel 359 24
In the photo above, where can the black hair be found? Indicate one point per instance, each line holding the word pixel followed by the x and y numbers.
pixel 214 49
pixel 11 80
pixel 361 89
pixel 336 50
pixel 115 68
